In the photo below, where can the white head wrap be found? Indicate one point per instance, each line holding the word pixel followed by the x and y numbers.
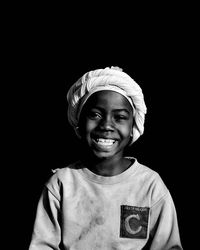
pixel 107 79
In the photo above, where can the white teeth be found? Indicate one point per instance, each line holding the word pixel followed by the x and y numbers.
pixel 105 142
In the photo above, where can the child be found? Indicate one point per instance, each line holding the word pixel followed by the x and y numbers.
pixel 106 200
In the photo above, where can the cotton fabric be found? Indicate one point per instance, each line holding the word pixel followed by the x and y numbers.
pixel 107 79
pixel 79 210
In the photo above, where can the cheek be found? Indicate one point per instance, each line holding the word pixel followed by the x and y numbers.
pixel 87 127
pixel 127 133
pixel 90 125
pixel 127 130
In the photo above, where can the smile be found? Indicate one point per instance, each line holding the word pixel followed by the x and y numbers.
pixel 104 143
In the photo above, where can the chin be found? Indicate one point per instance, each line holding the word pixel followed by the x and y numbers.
pixel 102 155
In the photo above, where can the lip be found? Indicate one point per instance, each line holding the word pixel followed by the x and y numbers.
pixel 104 140
pixel 104 144
pixel 96 137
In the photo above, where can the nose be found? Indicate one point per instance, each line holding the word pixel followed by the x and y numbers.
pixel 106 124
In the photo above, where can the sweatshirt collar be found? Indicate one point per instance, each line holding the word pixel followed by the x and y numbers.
pixel 106 180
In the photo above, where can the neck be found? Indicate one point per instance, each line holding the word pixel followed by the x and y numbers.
pixel 108 167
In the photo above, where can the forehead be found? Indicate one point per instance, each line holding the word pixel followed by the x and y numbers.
pixel 108 99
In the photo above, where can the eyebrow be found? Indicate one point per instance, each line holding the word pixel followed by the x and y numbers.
pixel 122 110
pixel 114 110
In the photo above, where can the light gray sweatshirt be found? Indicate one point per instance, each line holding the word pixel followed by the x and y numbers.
pixel 79 210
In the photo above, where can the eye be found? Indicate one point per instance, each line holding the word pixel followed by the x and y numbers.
pixel 94 115
pixel 120 117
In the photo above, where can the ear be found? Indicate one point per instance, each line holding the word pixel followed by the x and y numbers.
pixel 131 137
pixel 78 133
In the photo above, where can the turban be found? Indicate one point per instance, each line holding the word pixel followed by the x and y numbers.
pixel 109 78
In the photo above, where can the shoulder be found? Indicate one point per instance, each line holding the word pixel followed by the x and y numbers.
pixel 63 178
pixel 152 182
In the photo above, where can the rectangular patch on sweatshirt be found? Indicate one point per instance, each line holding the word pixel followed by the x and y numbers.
pixel 134 222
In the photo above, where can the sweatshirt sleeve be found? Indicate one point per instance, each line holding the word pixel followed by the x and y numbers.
pixel 46 230
pixel 164 232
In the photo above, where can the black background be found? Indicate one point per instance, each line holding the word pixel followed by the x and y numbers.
pixel 48 51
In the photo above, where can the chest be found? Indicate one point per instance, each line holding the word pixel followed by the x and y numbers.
pixel 109 217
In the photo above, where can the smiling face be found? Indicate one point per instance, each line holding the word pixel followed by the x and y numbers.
pixel 106 124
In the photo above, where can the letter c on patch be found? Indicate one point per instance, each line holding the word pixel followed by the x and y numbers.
pixel 127 224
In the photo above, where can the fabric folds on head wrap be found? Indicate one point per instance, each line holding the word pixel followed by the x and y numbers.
pixel 107 79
